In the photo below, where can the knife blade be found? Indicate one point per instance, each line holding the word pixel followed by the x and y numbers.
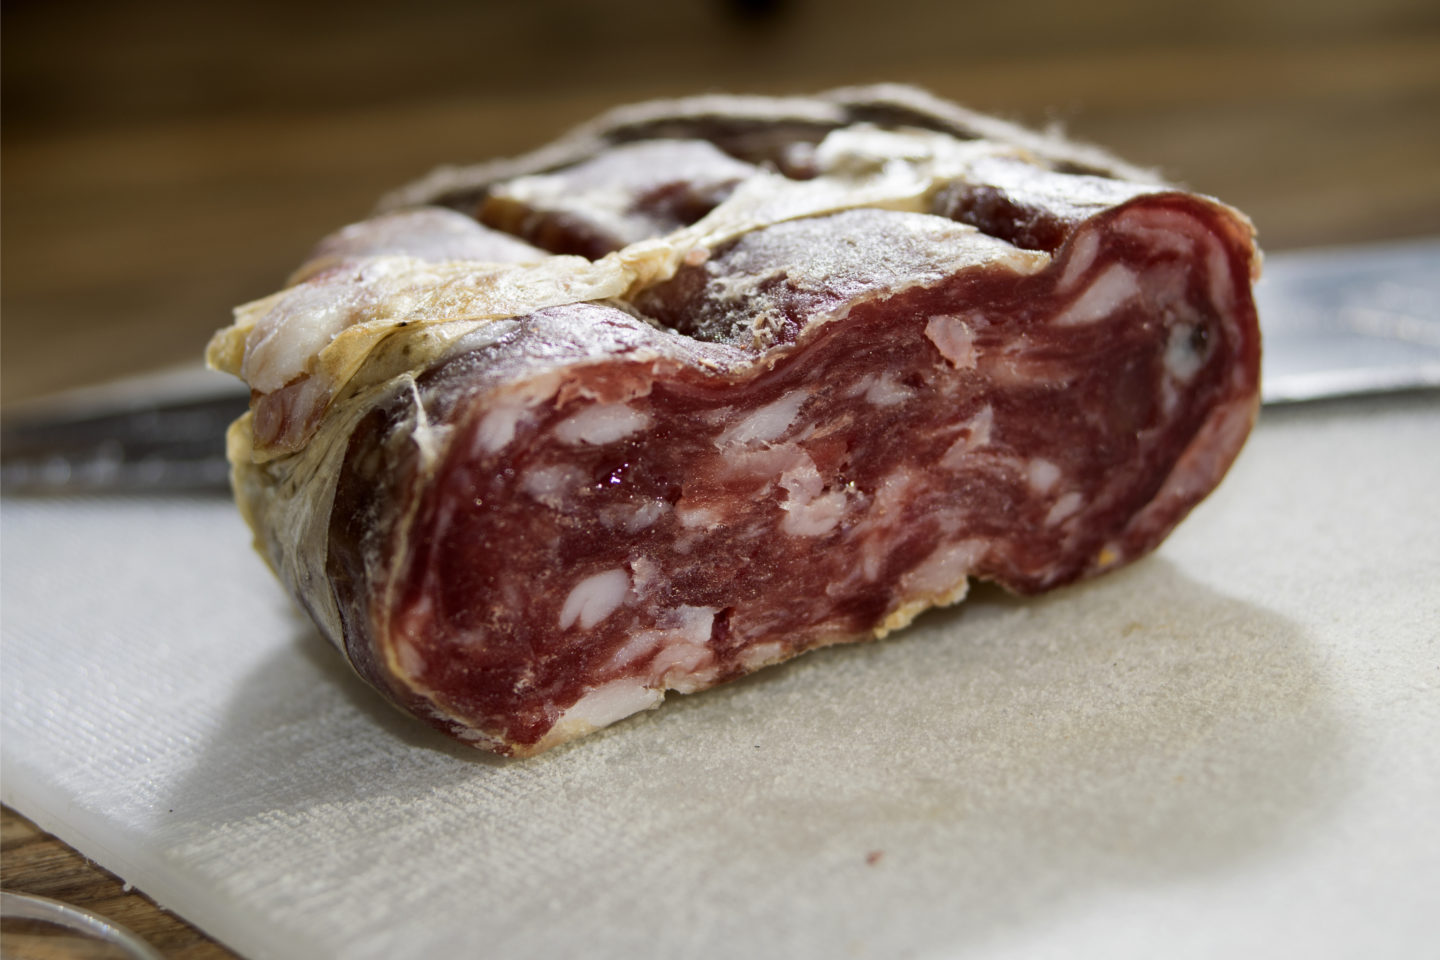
pixel 1343 321
pixel 1337 322
pixel 161 432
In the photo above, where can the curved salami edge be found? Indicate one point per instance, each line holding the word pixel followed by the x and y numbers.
pixel 348 519
pixel 387 495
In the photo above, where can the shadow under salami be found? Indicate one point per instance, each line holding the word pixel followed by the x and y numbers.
pixel 997 762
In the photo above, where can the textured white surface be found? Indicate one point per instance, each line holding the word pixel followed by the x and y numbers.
pixel 1232 748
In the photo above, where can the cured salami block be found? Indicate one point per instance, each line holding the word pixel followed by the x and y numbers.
pixel 713 382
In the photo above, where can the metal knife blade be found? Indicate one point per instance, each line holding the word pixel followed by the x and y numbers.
pixel 156 433
pixel 1350 320
pixel 1336 322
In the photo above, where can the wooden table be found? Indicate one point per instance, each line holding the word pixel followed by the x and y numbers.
pixel 165 161
pixel 37 863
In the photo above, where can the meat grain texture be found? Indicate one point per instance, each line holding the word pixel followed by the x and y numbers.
pixel 712 382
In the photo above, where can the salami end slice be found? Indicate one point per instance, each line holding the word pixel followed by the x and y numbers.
pixel 711 383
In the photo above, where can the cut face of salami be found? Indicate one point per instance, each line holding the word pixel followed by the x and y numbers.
pixel 817 364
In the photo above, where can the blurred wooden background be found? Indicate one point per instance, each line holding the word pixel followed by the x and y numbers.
pixel 164 161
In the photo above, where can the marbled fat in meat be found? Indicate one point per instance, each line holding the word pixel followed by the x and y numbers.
pixel 528 499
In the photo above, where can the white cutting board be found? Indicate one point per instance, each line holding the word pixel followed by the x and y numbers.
pixel 1229 749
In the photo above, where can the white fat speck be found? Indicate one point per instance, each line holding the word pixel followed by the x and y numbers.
pixel 952 520
pixel 874 551
pixel 763 461
pixel 1082 255
pixel 410 662
pixel 886 391
pixel 549 485
pixel 803 480
pixel 893 491
pixel 691 517
pixel 429 438
pixel 944 572
pixel 762 654
pixel 681 635
pixel 891 495
pixel 1181 358
pixel 645 576
pixel 1116 286
pixel 497 429
pixel 612 701
pixel 1169 396
pixel 859 387
pixel 974 434
pixel 765 424
pixel 1221 293
pixel 594 598
pixel 601 424
pixel 1015 366
pixel 690 624
pixel 678 663
pixel 878 390
pixel 954 339
pixel 1041 474
pixel 1168 230
pixel 645 515
pixel 640 643
pixel 814 518
pixel 416 621
pixel 632 518
pixel 809 510
pixel 1064 508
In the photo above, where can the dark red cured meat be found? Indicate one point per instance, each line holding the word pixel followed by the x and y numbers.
pixel 1031 469
pixel 631 192
pixel 806 437
pixel 1031 207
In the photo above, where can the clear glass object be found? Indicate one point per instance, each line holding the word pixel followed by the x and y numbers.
pixel 38 928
